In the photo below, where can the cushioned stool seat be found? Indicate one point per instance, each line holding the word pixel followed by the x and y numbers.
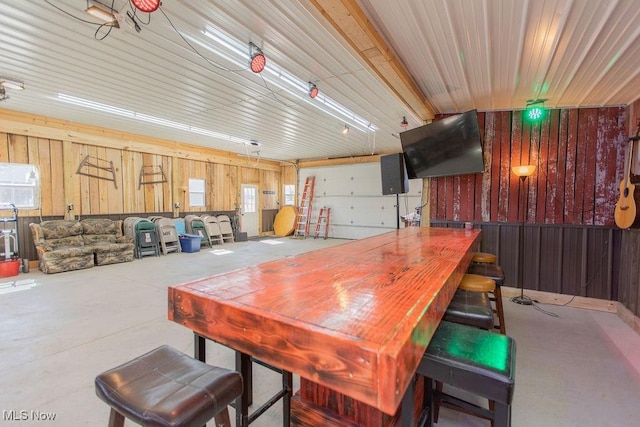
pixel 477 361
pixel 470 308
pixel 168 388
pixel 496 273
pixel 476 283
pixel 484 257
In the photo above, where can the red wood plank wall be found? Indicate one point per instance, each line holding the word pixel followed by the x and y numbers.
pixel 579 154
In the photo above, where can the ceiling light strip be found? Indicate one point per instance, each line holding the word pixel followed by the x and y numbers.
pixel 96 105
pixel 275 74
pixel 150 119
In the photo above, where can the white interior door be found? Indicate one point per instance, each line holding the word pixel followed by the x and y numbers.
pixel 249 220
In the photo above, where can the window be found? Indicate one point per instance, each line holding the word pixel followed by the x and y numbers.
pixel 196 193
pixel 290 195
pixel 19 186
pixel 249 201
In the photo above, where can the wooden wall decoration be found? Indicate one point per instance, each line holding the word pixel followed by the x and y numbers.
pixel 579 154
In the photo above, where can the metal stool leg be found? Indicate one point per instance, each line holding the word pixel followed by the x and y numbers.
pixel 499 309
pixel 116 419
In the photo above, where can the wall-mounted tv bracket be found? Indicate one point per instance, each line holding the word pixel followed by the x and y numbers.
pixel 153 174
pixel 91 166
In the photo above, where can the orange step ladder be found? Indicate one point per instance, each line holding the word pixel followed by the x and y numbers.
pixel 323 221
pixel 303 219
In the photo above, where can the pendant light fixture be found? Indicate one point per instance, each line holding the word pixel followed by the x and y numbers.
pixel 258 60
pixel 146 5
pixel 404 123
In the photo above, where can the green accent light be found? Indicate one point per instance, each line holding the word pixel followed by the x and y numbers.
pixel 471 346
pixel 535 113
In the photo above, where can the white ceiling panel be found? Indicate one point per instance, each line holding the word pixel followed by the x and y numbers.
pixel 497 54
pixel 172 81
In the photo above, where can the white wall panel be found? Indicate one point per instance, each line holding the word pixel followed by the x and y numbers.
pixel 354 194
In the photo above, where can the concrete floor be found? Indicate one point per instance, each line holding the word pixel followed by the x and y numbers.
pixel 580 368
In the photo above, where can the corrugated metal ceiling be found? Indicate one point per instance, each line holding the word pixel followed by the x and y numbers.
pixel 497 54
pixel 490 54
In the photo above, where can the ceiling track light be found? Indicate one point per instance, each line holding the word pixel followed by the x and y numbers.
pixel 258 60
pixel 404 123
pixel 147 6
pixel 3 94
pixel 345 131
pixel 11 84
pixel 103 13
pixel 313 90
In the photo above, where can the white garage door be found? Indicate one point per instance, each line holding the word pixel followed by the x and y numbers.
pixel 354 194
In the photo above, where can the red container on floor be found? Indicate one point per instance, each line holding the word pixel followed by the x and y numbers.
pixel 9 268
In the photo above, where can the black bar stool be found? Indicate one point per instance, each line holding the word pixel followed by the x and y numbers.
pixel 495 272
pixel 168 388
pixel 470 359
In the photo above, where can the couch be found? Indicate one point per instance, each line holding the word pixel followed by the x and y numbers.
pixel 65 245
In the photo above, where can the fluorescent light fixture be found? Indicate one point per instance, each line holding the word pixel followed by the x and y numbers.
pixel 96 106
pixel 11 84
pixel 102 13
pixel 236 52
pixel 150 119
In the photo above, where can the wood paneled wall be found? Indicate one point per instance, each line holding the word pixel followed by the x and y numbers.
pixel 58 163
pixel 269 197
pixel 58 160
pixel 579 154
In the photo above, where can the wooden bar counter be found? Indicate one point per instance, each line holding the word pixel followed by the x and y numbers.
pixel 353 319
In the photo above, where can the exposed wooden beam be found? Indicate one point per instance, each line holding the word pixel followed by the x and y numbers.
pixel 339 162
pixel 352 23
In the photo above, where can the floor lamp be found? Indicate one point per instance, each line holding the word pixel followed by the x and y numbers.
pixel 523 172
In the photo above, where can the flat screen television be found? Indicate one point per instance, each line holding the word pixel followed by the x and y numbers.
pixel 450 146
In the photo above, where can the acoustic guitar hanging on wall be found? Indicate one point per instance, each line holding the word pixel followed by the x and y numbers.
pixel 625 212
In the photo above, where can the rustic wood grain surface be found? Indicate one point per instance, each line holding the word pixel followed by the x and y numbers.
pixel 355 317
